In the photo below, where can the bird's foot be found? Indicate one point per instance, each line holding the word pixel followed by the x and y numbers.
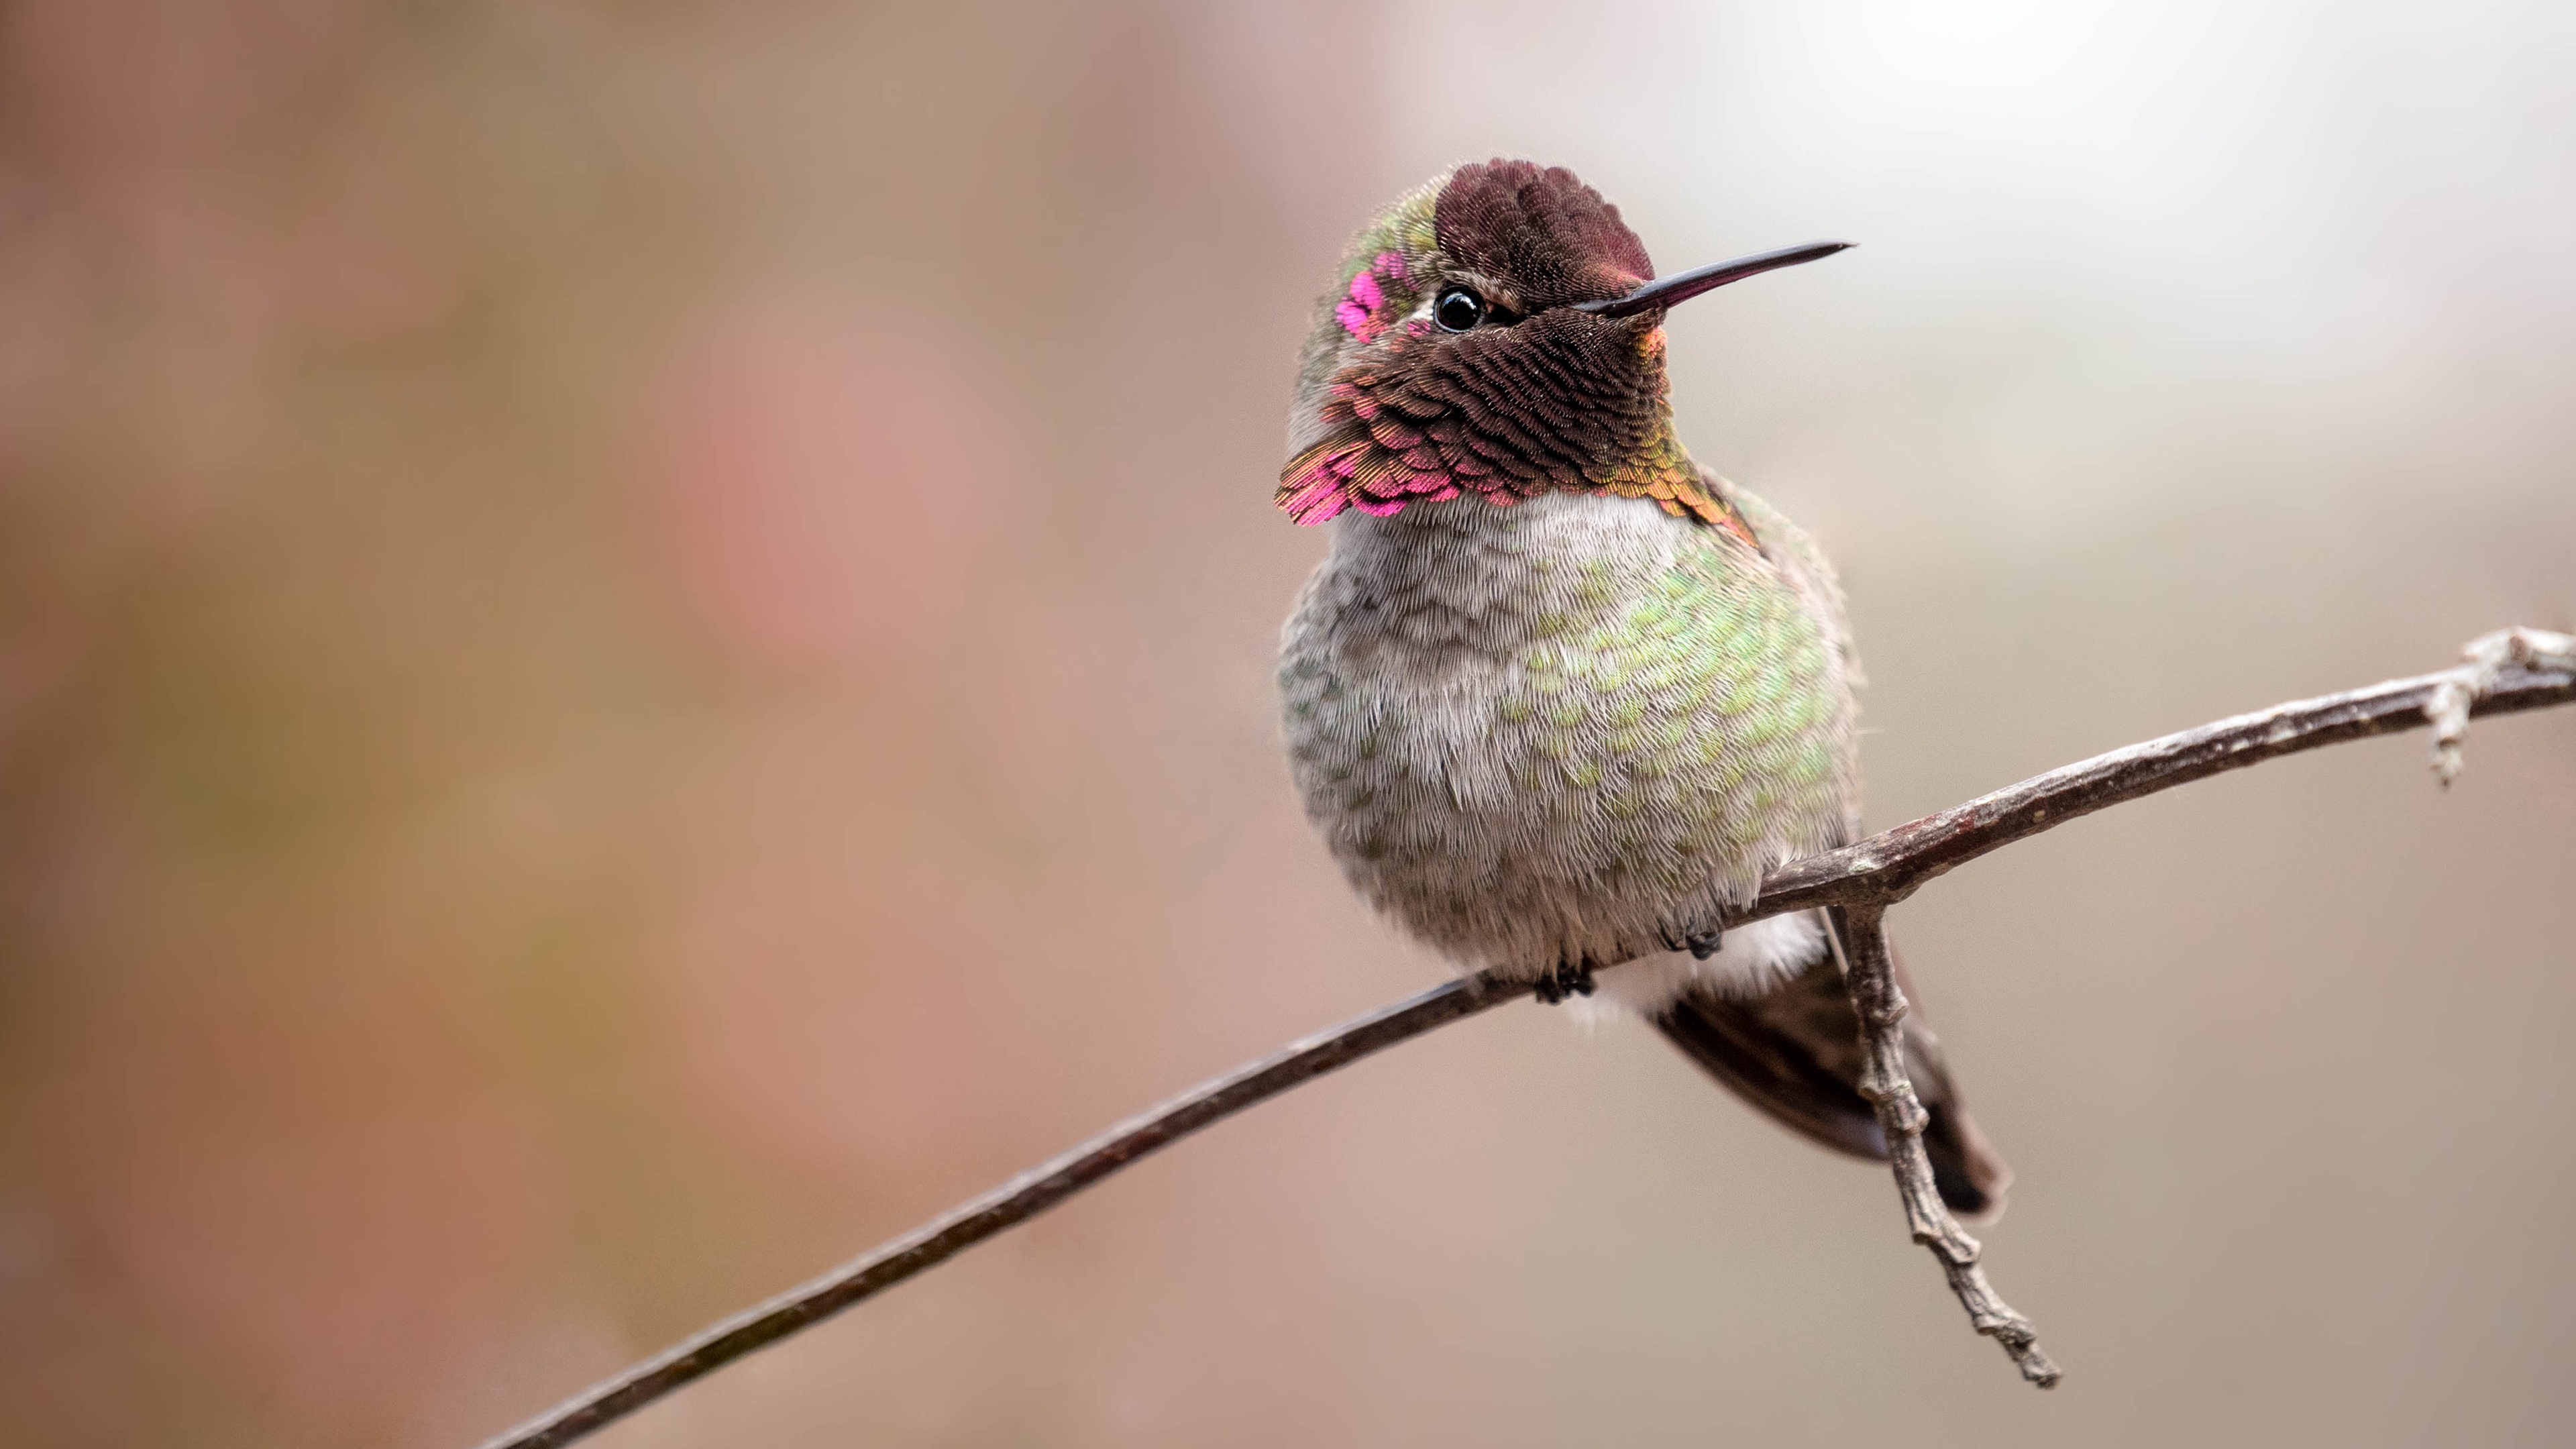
pixel 1564 979
pixel 1704 944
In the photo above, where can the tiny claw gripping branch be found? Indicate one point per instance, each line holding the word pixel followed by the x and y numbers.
pixel 1881 1006
pixel 2488 654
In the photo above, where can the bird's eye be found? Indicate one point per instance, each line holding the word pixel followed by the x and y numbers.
pixel 1458 310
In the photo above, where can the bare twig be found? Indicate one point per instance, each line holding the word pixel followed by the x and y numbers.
pixel 1893 864
pixel 1871 980
pixel 1864 878
pixel 1014 1202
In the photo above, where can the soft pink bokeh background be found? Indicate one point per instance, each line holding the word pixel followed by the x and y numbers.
pixel 634 648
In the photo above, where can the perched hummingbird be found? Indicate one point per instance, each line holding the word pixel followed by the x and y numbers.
pixel 1558 695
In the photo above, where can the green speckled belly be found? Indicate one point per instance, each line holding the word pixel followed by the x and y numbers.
pixel 1568 729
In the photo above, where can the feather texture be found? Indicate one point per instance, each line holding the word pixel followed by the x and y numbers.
pixel 1558 697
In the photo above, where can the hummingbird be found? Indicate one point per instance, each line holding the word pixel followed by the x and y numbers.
pixel 1557 696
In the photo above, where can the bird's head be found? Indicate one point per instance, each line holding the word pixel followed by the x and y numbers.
pixel 1495 332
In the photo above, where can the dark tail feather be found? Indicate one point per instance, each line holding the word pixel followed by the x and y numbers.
pixel 1795 1054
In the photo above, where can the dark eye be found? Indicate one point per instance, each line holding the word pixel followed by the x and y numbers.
pixel 1458 309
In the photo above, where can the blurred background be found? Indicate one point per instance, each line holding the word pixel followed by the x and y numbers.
pixel 635 645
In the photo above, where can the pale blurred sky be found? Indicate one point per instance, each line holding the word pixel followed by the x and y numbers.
pixel 2116 225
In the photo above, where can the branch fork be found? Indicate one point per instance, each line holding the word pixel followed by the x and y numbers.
pixel 2488 655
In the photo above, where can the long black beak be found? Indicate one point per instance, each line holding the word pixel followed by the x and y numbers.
pixel 1681 287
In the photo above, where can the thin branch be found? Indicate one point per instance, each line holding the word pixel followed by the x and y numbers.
pixel 1867 876
pixel 1893 864
pixel 1881 1005
pixel 1014 1202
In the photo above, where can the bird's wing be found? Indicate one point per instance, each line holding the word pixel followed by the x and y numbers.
pixel 1819 592
pixel 1795 555
pixel 1794 1052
